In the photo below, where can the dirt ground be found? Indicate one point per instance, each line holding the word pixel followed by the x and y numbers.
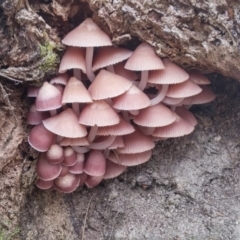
pixel 189 190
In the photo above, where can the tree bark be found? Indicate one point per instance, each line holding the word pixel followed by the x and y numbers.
pixel 190 186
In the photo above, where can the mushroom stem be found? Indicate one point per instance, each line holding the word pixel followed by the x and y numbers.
pixel 106 153
pixel 125 116
pixel 77 73
pixel 92 133
pixel 110 68
pixel 161 95
pixel 172 101
pixel 134 112
pixel 104 144
pixel 88 60
pixel 144 79
pixel 75 107
pixel 81 149
pixel 53 112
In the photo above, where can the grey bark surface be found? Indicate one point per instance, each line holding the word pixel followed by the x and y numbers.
pixel 189 190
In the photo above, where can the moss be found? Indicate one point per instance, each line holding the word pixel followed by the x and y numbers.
pixel 4 236
pixel 49 60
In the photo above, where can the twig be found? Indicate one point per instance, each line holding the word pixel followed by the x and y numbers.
pixel 85 219
pixel 10 78
pixel 5 95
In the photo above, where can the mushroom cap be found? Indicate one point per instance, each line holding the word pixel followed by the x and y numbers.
pixel 75 92
pixel 144 59
pixel 95 164
pixel 98 113
pixel 72 129
pixel 187 115
pixel 123 72
pixel 198 78
pixel 132 99
pixel 172 74
pixel 113 170
pixel 74 142
pixel 77 168
pixel 44 185
pixel 130 159
pixel 109 56
pixel 45 170
pixel 35 117
pixel 87 34
pixel 136 142
pixel 179 128
pixel 122 128
pixel 93 181
pixel 108 85
pixel 40 138
pixel 155 116
pixel 184 89
pixel 74 58
pixel 70 157
pixel 68 183
pixel 55 154
pixel 60 79
pixel 203 97
pixel 48 98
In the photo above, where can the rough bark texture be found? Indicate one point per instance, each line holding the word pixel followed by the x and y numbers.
pixel 189 189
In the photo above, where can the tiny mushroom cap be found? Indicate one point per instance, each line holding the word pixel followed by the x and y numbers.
pixel 130 159
pixel 172 74
pixel 93 181
pixel 179 128
pixel 60 79
pixel 35 117
pixel 40 138
pixel 47 171
pixel 77 168
pixel 133 99
pixel 203 97
pixel 136 142
pixel 44 185
pixel 87 34
pixel 109 56
pixel 65 171
pixel 198 78
pixel 108 85
pixel 68 183
pixel 113 170
pixel 75 92
pixel 144 59
pixel 95 164
pixel 187 115
pixel 73 59
pixel 72 129
pixel 70 157
pixel 55 154
pixel 122 128
pixel 155 116
pixel 182 90
pixel 98 113
pixel 48 98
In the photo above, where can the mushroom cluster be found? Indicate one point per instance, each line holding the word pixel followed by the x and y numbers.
pixel 107 108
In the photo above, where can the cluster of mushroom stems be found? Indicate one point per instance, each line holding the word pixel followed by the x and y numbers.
pixel 107 108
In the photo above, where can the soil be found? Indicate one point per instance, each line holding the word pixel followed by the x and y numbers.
pixel 189 189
